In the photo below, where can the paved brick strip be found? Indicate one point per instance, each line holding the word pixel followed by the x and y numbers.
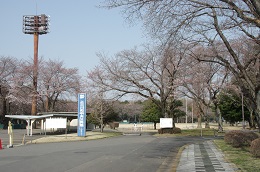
pixel 203 157
pixel 217 158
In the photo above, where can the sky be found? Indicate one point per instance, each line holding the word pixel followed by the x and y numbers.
pixel 78 30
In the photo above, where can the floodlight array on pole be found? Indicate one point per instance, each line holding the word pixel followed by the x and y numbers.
pixel 36 25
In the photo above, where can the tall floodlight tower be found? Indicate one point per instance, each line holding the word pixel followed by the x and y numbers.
pixel 35 25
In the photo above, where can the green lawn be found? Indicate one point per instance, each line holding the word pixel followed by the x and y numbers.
pixel 200 132
pixel 241 157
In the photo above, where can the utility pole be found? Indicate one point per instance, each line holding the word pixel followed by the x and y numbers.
pixel 186 110
pixel 101 112
pixel 243 116
pixel 35 25
pixel 192 113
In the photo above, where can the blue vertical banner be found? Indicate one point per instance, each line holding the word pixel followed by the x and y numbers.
pixel 82 103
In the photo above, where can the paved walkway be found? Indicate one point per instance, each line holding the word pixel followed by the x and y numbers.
pixel 203 157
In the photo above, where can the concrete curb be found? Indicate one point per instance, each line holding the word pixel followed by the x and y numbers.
pixel 132 134
pixel 73 137
pixel 178 158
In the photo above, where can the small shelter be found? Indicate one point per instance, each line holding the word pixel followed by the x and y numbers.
pixel 30 119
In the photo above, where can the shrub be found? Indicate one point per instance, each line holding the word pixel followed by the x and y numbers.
pixel 169 130
pixel 176 130
pixel 160 131
pixel 240 138
pixel 165 130
pixel 255 147
pixel 114 125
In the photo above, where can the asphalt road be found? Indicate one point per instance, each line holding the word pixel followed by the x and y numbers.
pixel 117 154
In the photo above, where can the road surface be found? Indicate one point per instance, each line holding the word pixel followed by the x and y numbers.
pixel 117 154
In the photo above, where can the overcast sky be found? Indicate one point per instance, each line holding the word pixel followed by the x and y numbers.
pixel 78 31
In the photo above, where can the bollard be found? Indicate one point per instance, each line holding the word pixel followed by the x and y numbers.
pixel 1 144
pixel 23 139
pixel 10 133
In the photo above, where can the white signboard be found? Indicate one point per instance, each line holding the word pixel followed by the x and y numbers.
pixel 166 123
pixel 56 123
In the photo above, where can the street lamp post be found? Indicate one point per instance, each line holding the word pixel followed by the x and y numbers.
pixel 35 25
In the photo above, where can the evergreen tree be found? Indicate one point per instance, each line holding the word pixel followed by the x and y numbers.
pixel 151 113
pixel 230 107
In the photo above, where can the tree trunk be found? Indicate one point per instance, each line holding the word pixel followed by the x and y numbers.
pixel 154 125
pixel 4 110
pixel 219 116
pixel 199 121
pixel 206 117
pixel 101 124
pixel 173 123
pixel 251 120
pixel 165 112
pixel 220 123
pixel 258 122
pixel 258 110
pixel 47 104
pixel 207 124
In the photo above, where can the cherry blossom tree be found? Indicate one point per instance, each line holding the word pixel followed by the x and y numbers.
pixel 8 70
pixel 56 83
pixel 22 89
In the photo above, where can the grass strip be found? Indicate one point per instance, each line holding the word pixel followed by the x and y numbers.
pixel 241 157
pixel 195 132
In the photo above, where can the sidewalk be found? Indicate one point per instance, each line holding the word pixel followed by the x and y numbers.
pixel 90 135
pixel 203 157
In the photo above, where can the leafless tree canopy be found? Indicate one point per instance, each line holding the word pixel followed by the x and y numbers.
pixel 192 16
pixel 150 73
pixel 224 27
